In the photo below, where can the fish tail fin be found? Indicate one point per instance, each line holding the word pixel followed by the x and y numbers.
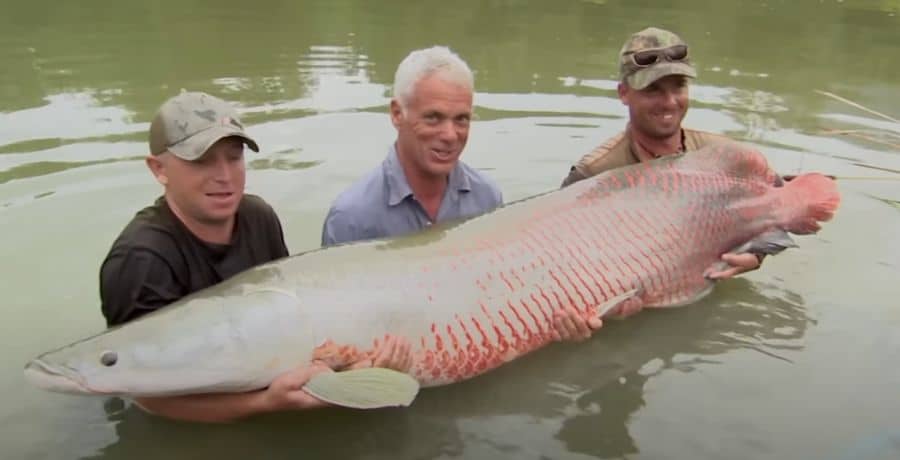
pixel 807 200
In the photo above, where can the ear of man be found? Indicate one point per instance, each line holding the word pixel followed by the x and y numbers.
pixel 622 89
pixel 396 112
pixel 157 166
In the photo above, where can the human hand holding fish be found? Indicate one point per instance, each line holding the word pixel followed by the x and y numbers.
pixel 483 294
pixel 287 390
pixel 392 352
pixel 737 264
pixel 571 325
pixel 284 393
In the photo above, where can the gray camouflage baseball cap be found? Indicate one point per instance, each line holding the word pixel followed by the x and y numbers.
pixel 652 38
pixel 188 124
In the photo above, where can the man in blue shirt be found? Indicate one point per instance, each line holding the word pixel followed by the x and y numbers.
pixel 422 181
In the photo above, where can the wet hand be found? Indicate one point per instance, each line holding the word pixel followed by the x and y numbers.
pixel 392 352
pixel 570 325
pixel 336 356
pixel 737 264
pixel 286 391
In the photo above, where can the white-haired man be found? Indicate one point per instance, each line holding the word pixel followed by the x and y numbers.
pixel 422 181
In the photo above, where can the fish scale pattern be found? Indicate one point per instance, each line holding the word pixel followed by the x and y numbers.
pixel 652 229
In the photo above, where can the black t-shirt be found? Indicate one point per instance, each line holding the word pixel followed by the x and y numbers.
pixel 156 260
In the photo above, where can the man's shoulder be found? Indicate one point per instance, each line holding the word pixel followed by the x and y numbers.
pixel 481 183
pixel 614 149
pixel 151 223
pixel 255 207
pixel 349 217
pixel 362 195
pixel 695 139
pixel 612 153
pixel 255 203
pixel 151 229
pixel 260 227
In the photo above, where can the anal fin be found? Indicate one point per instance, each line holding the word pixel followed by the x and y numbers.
pixel 614 302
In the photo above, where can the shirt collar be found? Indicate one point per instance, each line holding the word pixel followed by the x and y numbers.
pixel 398 186
pixel 639 153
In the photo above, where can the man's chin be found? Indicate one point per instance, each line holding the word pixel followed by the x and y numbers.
pixel 441 170
pixel 220 215
pixel 210 220
pixel 664 132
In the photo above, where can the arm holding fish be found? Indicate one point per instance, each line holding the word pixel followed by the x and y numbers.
pixel 138 281
pixel 284 393
pixel 737 264
pixel 571 325
pixel 393 352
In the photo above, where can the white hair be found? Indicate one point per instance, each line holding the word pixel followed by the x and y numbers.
pixel 425 62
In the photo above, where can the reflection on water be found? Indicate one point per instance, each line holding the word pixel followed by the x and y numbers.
pixel 742 316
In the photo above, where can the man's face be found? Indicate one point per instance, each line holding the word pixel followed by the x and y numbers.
pixel 434 128
pixel 209 189
pixel 657 110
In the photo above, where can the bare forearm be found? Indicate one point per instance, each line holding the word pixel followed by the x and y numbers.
pixel 284 393
pixel 210 408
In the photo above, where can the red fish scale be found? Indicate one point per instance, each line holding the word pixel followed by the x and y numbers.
pixel 607 239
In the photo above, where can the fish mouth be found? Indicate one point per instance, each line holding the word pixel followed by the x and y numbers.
pixel 59 379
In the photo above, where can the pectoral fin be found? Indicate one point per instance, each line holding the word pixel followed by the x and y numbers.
pixel 369 388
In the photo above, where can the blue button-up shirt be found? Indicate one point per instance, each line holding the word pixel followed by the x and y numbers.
pixel 382 204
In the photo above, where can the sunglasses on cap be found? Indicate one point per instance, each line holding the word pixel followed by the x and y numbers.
pixel 676 53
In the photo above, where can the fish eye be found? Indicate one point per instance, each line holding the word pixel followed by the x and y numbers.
pixel 109 358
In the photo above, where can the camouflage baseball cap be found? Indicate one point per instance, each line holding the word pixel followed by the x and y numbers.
pixel 652 38
pixel 188 124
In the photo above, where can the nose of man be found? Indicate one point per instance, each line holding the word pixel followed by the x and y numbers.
pixel 222 169
pixel 448 131
pixel 670 97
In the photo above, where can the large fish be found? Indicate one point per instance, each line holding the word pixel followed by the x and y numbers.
pixel 469 297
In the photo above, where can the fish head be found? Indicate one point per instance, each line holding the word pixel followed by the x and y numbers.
pixel 103 364
pixel 78 370
pixel 208 344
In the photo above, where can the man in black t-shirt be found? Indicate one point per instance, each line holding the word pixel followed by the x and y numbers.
pixel 157 260
pixel 203 230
